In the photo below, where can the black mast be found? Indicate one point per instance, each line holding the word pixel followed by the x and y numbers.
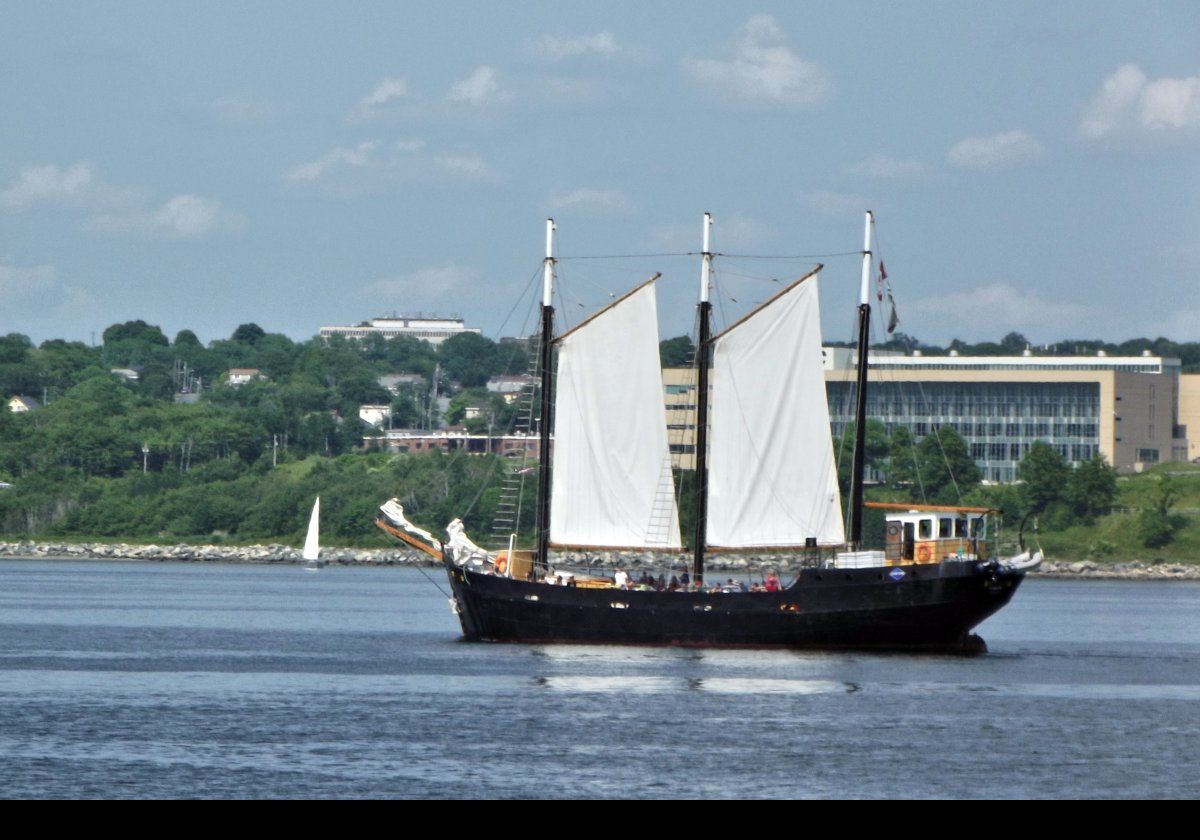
pixel 545 347
pixel 858 466
pixel 703 359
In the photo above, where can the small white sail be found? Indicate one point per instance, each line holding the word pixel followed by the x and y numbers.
pixel 312 543
pixel 610 433
pixel 772 478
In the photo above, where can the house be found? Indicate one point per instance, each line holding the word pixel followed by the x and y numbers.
pixel 240 376
pixel 19 404
pixel 376 415
pixel 128 374
pixel 510 385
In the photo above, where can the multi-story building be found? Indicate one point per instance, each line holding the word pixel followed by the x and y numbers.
pixel 679 395
pixel 1124 408
pixel 1132 410
pixel 1189 414
pixel 433 329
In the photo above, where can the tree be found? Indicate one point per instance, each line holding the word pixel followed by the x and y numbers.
pixel 1091 490
pixel 247 334
pixel 1044 472
pixel 471 360
pixel 186 339
pixel 406 407
pixel 13 348
pixel 1014 344
pixel 138 331
pixel 677 352
pixel 875 444
pixel 946 468
pixel 902 457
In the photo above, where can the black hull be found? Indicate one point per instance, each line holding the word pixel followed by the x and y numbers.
pixel 929 607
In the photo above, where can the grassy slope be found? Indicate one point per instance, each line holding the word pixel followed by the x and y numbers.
pixel 1114 537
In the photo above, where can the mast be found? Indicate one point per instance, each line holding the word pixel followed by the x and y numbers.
pixel 703 358
pixel 542 555
pixel 860 412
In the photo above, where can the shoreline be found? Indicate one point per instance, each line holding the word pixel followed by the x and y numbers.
pixel 276 553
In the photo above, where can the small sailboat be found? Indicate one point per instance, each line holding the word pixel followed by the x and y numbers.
pixel 312 542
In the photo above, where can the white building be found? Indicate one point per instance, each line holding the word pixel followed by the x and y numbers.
pixel 510 385
pixel 240 376
pixel 19 405
pixel 376 415
pixel 1124 408
pixel 435 330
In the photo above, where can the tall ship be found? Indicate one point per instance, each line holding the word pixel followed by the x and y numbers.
pixel 766 484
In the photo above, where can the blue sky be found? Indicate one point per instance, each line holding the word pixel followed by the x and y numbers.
pixel 1033 167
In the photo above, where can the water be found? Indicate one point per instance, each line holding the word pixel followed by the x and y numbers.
pixel 149 680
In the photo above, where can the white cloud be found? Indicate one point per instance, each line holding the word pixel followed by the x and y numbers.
pixel 358 156
pixel 1130 102
pixel 470 166
pixel 1170 103
pixel 830 203
pixel 1005 307
pixel 35 295
pixel 384 94
pixel 762 70
pixel 112 209
pixel 410 145
pixel 1116 98
pixel 373 166
pixel 187 216
pixel 426 287
pixel 184 216
pixel 51 185
pixel 481 87
pixel 244 108
pixel 558 47
pixel 588 198
pixel 886 167
pixel 1006 148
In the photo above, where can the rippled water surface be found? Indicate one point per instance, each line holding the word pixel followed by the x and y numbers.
pixel 178 680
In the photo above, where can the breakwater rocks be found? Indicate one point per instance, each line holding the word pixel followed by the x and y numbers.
pixel 211 553
pixel 1118 571
pixel 741 564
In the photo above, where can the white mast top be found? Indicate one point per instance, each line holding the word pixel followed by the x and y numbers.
pixel 706 265
pixel 548 266
pixel 864 296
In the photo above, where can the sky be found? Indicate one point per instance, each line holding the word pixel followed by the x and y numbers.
pixel 1033 167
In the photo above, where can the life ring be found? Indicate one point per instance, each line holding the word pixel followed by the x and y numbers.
pixel 502 564
pixel 923 554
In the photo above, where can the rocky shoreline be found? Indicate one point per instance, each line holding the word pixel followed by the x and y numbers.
pixel 277 553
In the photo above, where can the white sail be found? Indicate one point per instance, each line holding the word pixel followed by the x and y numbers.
pixel 772 478
pixel 611 483
pixel 312 543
